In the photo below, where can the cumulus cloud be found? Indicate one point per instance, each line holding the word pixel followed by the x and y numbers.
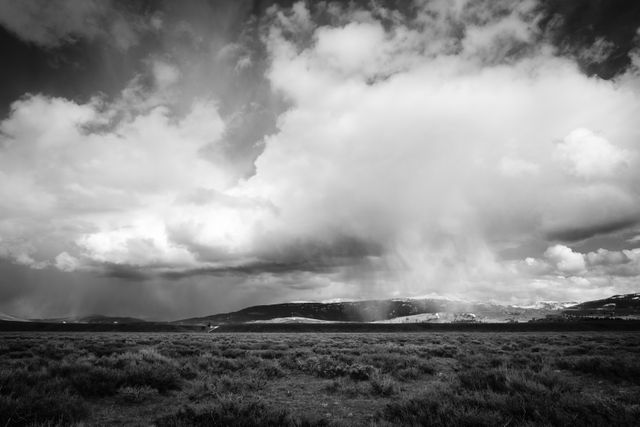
pixel 565 259
pixel 588 155
pixel 602 270
pixel 412 150
pixel 66 262
pixel 607 257
pixel 108 193
pixel 410 159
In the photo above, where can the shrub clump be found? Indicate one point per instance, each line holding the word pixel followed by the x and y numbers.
pixel 325 367
pixel 99 377
pixel 136 394
pixel 481 380
pixel 496 399
pixel 360 372
pixel 37 407
pixel 615 368
pixel 234 412
pixel 383 386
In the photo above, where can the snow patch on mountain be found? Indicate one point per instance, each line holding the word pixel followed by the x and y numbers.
pixel 548 305
pixel 292 319
pixel 415 318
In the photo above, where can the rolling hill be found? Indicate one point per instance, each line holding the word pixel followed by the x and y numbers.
pixel 619 306
pixel 92 319
pixel 391 311
pixel 402 310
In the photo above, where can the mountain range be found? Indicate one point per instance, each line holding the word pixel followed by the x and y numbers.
pixel 396 310
pixel 399 310
pixel 418 310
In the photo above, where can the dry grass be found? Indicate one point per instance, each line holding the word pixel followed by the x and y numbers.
pixel 176 379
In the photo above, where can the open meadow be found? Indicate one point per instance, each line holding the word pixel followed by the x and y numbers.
pixel 305 379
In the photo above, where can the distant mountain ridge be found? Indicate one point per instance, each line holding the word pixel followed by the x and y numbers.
pixel 10 318
pixel 92 318
pixel 397 310
pixel 625 306
pixel 409 309
pixel 626 301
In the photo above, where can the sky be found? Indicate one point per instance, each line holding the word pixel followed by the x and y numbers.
pixel 166 159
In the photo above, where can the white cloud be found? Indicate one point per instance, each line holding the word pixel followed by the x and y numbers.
pixel 588 155
pixel 624 263
pixel 353 48
pixel 584 275
pixel 606 257
pixel 110 192
pixel 66 262
pixel 565 259
pixel 413 153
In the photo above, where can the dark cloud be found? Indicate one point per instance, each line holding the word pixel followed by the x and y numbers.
pixel 15 281
pixel 319 252
pixel 574 234
pixel 50 293
pixel 54 23
pixel 124 272
pixel 309 257
pixel 577 27
pixel 248 269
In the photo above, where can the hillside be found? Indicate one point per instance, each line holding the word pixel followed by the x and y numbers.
pixel 92 319
pixel 396 310
pixel 10 318
pixel 627 301
pixel 620 306
pixel 393 311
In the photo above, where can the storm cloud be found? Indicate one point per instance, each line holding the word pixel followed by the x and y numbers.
pixel 367 152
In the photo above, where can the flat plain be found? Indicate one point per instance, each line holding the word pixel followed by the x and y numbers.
pixel 306 379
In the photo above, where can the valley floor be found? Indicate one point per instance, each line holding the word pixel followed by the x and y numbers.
pixel 421 378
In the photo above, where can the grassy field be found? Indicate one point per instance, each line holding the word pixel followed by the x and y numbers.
pixel 306 379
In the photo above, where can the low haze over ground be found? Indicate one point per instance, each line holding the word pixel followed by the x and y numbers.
pixel 173 159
